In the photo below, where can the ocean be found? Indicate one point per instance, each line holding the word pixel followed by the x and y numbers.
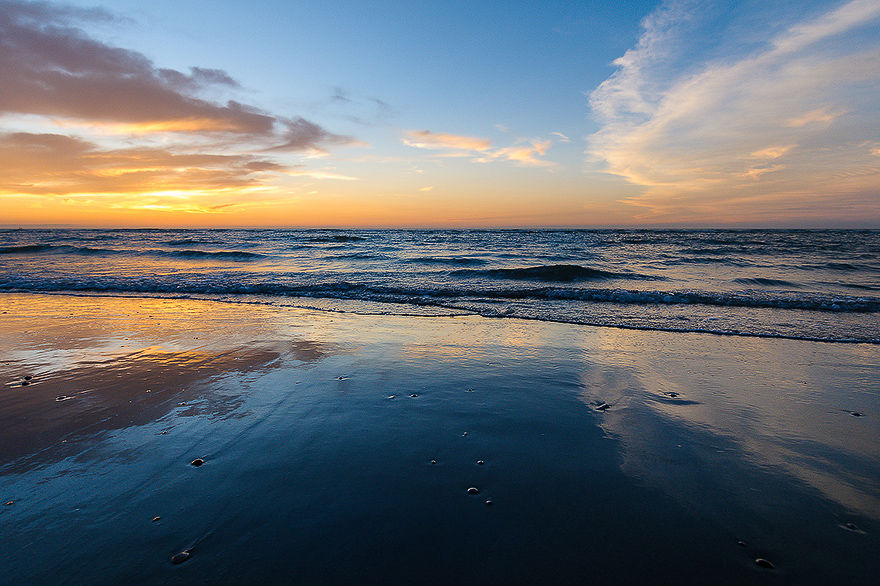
pixel 802 284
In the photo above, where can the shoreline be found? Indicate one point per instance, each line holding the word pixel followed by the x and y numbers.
pixel 442 312
pixel 651 451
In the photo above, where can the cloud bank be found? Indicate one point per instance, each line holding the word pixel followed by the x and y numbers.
pixel 719 119
pixel 52 71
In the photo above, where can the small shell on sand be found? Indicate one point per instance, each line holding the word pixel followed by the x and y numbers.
pixel 414 395
pixel 156 519
pixel 473 490
pixel 197 462
pixel 764 563
pixel 480 462
pixel 489 502
pixel 179 558
pixel 603 407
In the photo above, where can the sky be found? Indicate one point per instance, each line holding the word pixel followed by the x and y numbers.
pixel 454 114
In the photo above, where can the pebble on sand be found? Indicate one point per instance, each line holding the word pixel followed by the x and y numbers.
pixel 603 407
pixel 473 490
pixel 179 558
pixel 197 462
pixel 480 462
pixel 155 519
pixel 7 503
pixel 414 395
pixel 764 563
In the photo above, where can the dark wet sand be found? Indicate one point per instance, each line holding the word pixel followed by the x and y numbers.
pixel 340 449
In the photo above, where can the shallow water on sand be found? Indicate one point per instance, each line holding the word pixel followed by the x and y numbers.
pixel 340 450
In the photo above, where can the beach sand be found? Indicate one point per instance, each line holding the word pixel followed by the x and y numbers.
pixel 340 449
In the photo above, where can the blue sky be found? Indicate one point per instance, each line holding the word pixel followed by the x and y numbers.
pixel 447 114
pixel 452 64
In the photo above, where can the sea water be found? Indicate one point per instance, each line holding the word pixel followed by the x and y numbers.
pixel 804 284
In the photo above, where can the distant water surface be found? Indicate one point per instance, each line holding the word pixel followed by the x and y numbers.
pixel 819 285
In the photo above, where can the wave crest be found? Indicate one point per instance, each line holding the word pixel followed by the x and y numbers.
pixel 546 273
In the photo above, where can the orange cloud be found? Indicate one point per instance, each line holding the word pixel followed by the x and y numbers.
pixel 52 164
pixel 51 69
pixel 480 148
pixel 425 139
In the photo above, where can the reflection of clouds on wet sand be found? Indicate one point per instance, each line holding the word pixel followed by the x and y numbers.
pixel 710 415
pixel 52 416
pixel 310 351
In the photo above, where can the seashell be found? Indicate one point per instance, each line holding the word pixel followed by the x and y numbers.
pixel 179 558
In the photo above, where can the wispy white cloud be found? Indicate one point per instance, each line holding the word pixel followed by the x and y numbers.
pixel 784 127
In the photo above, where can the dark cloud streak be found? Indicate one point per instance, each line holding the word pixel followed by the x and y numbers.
pixel 300 134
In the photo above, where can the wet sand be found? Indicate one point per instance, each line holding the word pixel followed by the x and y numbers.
pixel 341 449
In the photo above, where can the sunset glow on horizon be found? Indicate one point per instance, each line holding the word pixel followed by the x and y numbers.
pixel 341 114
